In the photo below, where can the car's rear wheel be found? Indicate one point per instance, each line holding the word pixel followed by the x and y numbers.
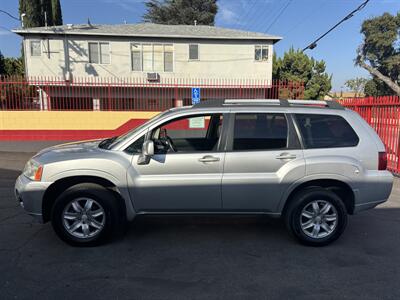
pixel 86 215
pixel 316 216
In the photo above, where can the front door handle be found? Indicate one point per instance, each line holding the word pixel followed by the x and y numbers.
pixel 286 156
pixel 208 158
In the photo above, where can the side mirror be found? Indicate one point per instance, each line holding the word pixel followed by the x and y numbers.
pixel 148 148
pixel 147 152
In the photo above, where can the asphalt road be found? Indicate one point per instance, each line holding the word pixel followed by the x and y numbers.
pixel 197 257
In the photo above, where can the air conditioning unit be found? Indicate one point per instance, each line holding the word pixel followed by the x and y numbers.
pixel 153 76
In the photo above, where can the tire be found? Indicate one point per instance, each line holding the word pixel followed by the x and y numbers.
pixel 312 222
pixel 98 224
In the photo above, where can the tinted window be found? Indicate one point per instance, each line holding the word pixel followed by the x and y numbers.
pixel 260 132
pixel 136 146
pixel 326 131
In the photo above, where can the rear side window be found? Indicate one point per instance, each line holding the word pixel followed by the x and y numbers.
pixel 260 132
pixel 326 131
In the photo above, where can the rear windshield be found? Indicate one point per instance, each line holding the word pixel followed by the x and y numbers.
pixel 326 131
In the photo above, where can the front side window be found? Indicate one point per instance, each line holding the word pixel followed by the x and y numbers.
pixel 188 134
pixel 325 131
pixel 136 146
pixel 99 53
pixel 193 52
pixel 261 53
pixel 36 48
pixel 259 131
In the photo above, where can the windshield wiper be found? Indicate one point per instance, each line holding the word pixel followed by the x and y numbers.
pixel 104 144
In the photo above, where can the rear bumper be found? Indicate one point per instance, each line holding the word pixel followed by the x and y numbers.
pixel 29 195
pixel 375 189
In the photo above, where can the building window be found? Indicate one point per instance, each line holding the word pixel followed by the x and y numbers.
pixel 36 48
pixel 136 53
pixel 152 57
pixel 168 58
pixel 193 52
pixel 261 53
pixel 99 53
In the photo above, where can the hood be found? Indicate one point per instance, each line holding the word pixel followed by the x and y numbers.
pixel 68 151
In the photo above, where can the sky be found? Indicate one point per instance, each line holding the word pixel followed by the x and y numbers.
pixel 299 24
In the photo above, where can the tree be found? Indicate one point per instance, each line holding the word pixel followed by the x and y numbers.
pixel 175 12
pixel 375 87
pixel 14 66
pixel 296 66
pixel 379 53
pixel 356 85
pixel 57 14
pixel 34 11
pixel 2 64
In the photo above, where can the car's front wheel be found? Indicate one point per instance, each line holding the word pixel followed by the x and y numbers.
pixel 316 216
pixel 86 215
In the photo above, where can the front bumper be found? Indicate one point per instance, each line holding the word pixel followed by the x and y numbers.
pixel 29 195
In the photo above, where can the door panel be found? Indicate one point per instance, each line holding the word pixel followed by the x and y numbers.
pixel 255 181
pixel 263 159
pixel 186 177
pixel 178 182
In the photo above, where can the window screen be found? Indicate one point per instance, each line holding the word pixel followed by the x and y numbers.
pixel 136 57
pixel 35 48
pixel 158 63
pixel 168 58
pixel 147 57
pixel 94 53
pixel 326 131
pixel 260 132
pixel 104 53
pixel 193 51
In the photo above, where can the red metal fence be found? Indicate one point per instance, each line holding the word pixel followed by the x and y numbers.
pixel 128 94
pixel 383 114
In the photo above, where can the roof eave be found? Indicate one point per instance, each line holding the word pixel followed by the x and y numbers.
pixel 27 32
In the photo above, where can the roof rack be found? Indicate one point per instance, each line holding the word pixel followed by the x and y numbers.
pixel 271 102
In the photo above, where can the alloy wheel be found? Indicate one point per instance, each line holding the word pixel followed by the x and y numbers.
pixel 318 219
pixel 84 218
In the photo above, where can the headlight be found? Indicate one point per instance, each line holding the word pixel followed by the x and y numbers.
pixel 33 170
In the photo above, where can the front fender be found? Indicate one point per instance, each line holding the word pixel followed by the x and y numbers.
pixel 119 182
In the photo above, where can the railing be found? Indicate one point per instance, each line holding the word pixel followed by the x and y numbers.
pixel 382 114
pixel 128 94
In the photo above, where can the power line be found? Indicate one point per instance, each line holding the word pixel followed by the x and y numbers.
pixel 253 16
pixel 350 15
pixel 307 18
pixel 250 8
pixel 5 29
pixel 8 14
pixel 279 14
pixel 266 16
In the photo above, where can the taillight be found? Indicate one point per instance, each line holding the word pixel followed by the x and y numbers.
pixel 382 165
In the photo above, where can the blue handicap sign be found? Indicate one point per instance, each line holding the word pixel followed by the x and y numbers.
pixel 195 95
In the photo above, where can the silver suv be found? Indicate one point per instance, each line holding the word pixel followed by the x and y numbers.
pixel 310 162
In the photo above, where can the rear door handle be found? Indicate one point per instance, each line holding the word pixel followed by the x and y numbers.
pixel 286 156
pixel 208 158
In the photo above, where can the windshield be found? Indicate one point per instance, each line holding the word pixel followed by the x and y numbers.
pixel 112 142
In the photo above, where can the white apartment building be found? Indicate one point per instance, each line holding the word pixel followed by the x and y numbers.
pixel 149 51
